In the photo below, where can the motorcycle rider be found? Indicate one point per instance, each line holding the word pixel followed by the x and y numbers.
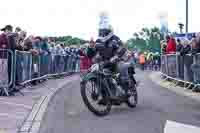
pixel 109 49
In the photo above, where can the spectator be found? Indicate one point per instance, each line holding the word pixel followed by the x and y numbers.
pixel 179 45
pixel 44 68
pixel 20 40
pixel 52 48
pixel 196 44
pixel 45 46
pixel 142 60
pixel 17 29
pixel 163 47
pixel 186 48
pixel 6 44
pixel 58 59
pixel 171 45
pixel 4 41
pixel 133 59
pixel 85 60
pixel 36 59
pixel 5 58
pixel 62 50
pixel 90 49
pixel 28 45
pixel 196 67
pixel 11 45
pixel 156 60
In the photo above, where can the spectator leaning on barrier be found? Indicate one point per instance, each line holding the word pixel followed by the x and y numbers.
pixel 4 43
pixel 82 58
pixel 171 45
pixel 196 67
pixel 186 47
pixel 20 40
pixel 163 46
pixel 20 57
pixel 12 45
pixel 45 52
pixel 179 46
pixel 196 44
pixel 28 46
pixel 36 58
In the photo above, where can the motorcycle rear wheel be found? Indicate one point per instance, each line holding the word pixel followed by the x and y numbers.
pixel 87 103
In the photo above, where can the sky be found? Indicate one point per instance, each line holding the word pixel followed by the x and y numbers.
pixel 81 17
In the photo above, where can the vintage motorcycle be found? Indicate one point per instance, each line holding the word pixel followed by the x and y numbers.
pixel 100 82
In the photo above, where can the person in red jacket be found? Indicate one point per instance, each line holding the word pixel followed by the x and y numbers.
pixel 171 45
pixel 85 62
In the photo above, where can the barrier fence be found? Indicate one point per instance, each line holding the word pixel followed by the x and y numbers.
pixel 181 68
pixel 20 67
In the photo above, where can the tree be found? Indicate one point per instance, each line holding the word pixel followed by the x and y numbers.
pixel 69 40
pixel 146 39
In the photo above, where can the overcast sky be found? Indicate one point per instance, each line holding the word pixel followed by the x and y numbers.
pixel 80 17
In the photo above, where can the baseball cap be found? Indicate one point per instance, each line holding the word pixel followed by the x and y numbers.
pixel 9 27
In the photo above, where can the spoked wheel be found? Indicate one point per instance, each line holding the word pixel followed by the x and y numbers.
pixel 133 98
pixel 91 97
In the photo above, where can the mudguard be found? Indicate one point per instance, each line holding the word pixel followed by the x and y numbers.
pixel 87 77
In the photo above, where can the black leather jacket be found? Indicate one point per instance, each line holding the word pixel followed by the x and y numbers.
pixel 108 49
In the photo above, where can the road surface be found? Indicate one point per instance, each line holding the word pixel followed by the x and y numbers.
pixel 159 111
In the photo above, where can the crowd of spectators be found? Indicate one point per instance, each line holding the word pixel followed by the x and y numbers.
pixel 17 40
pixel 186 49
pixel 182 46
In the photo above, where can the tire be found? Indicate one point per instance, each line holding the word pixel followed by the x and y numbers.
pixel 129 103
pixel 89 105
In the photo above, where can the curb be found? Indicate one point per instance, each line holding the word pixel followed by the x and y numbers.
pixel 33 121
pixel 156 78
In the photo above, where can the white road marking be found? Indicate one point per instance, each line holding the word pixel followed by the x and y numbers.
pixel 174 127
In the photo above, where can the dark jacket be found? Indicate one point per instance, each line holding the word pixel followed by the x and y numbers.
pixel 179 47
pixel 185 50
pixel 106 49
pixel 196 49
pixel 12 41
pixel 3 41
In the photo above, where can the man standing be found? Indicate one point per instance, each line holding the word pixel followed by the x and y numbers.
pixel 142 61
pixel 7 41
pixel 171 45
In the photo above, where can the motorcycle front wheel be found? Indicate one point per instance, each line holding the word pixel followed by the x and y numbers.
pixel 95 110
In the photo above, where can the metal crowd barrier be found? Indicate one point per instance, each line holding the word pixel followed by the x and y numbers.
pixel 22 67
pixel 196 60
pixel 6 70
pixel 179 68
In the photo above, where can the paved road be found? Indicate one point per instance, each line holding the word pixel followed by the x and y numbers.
pixel 66 112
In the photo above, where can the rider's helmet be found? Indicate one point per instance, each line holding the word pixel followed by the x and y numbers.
pixel 105 29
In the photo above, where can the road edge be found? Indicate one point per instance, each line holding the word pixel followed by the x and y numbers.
pixel 156 78
pixel 33 121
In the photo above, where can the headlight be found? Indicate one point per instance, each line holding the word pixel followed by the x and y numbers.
pixel 94 67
